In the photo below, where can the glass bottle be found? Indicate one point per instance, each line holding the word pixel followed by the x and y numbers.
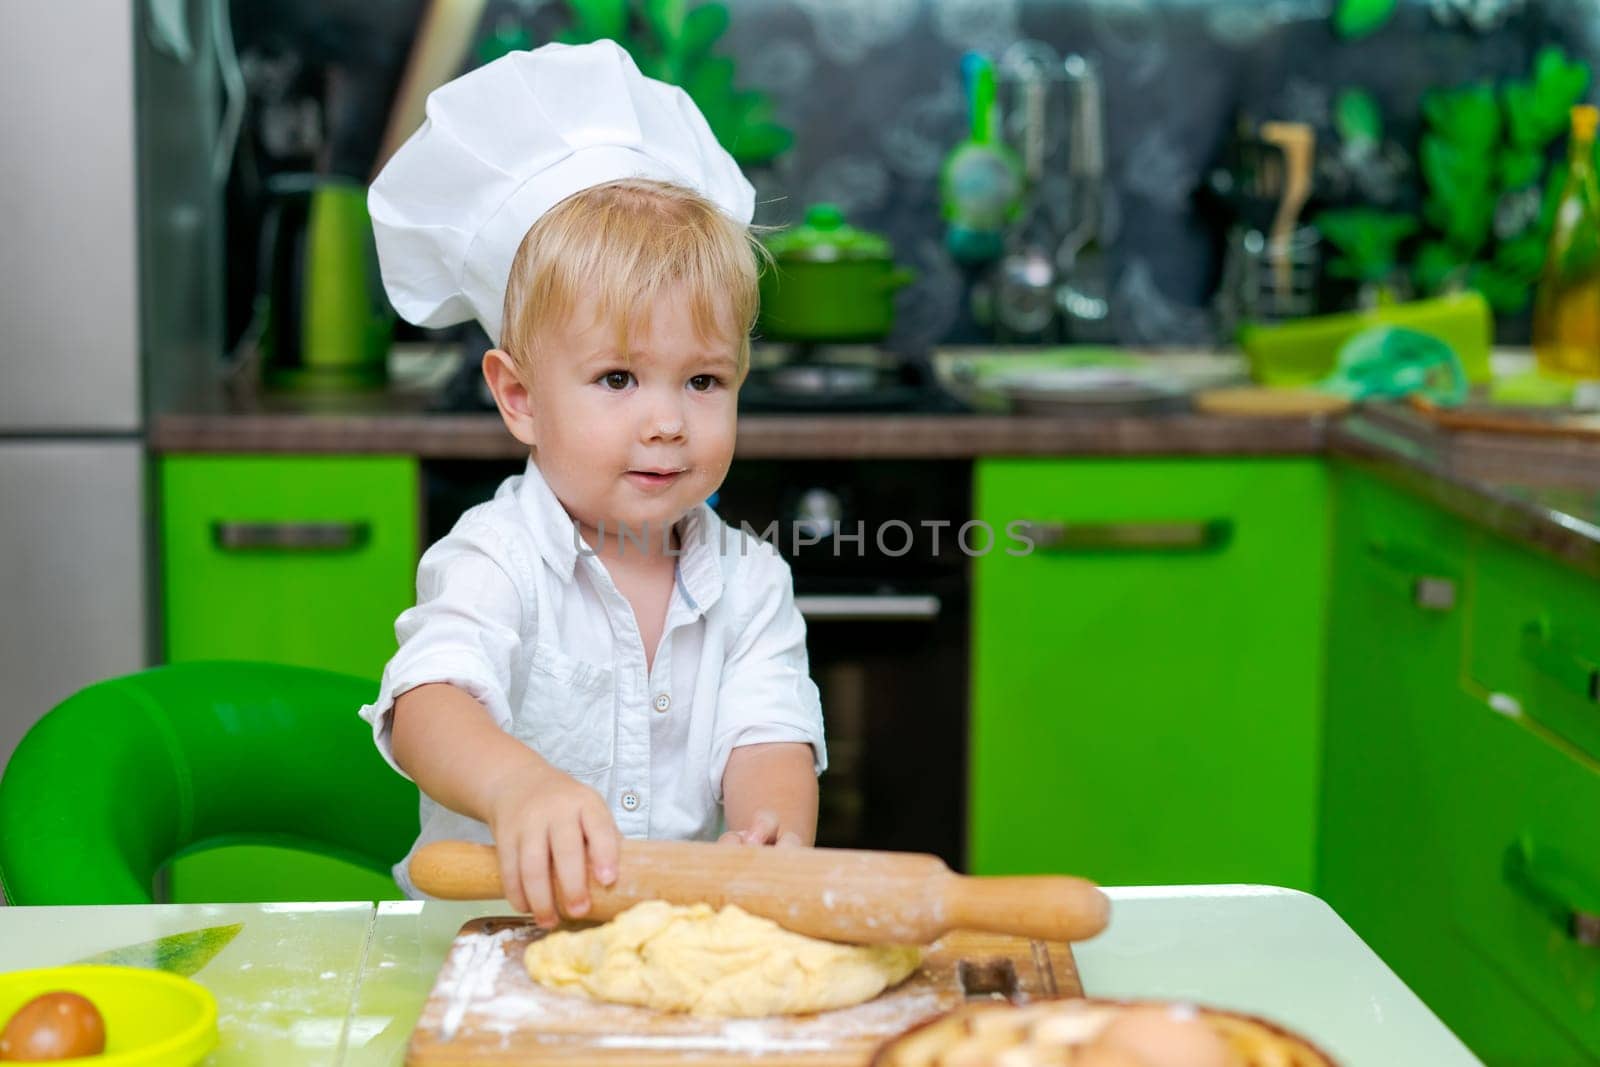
pixel 1566 310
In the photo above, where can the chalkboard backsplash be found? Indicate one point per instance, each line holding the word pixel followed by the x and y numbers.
pixel 873 94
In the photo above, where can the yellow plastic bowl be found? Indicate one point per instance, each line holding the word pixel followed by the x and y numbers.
pixel 153 1019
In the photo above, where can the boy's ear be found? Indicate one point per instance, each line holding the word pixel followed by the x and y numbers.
pixel 510 395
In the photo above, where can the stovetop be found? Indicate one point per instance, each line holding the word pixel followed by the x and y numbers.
pixel 854 379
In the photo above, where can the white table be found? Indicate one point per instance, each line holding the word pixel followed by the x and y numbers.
pixel 341 985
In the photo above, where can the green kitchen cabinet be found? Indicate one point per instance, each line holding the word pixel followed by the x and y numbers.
pixel 1452 837
pixel 1147 681
pixel 289 559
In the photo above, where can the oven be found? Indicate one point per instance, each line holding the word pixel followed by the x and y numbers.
pixel 882 582
pixel 886 608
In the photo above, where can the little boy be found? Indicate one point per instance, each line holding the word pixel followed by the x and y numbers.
pixel 593 653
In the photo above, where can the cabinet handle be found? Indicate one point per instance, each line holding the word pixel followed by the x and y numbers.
pixel 1545 876
pixel 868 608
pixel 1198 536
pixel 1569 669
pixel 1430 587
pixel 290 536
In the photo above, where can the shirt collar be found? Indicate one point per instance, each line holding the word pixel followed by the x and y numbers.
pixel 553 529
pixel 700 532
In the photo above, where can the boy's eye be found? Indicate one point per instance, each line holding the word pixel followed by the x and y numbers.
pixel 616 379
pixel 704 383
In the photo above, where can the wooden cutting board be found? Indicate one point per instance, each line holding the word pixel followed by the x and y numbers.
pixel 484 1009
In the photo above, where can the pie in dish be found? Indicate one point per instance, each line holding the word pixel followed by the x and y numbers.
pixel 1097 1033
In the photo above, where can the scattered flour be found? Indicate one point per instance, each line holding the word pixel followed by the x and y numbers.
pixel 492 993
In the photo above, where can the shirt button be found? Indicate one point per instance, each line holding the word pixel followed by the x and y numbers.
pixel 662 702
pixel 630 801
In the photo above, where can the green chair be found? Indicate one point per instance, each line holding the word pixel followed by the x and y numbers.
pixel 204 782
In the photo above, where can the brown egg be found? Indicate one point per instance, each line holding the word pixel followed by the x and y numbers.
pixel 1167 1037
pixel 54 1026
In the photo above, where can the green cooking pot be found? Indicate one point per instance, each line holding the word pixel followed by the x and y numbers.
pixel 829 282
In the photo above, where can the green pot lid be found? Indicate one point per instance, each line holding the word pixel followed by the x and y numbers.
pixel 824 236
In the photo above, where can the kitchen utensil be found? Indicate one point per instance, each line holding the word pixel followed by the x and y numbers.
pixel 152 1018
pixel 1058 1031
pixel 1253 287
pixel 981 181
pixel 1083 287
pixel 483 1006
pixel 1024 291
pixel 323 319
pixel 838 894
pixel 1297 143
pixel 1268 402
pixel 1305 351
pixel 437 52
pixel 1024 300
pixel 829 282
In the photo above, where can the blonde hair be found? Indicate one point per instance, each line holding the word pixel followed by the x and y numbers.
pixel 626 242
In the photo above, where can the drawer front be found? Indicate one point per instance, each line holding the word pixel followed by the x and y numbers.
pixel 1535 637
pixel 1158 652
pixel 288 559
pixel 1524 866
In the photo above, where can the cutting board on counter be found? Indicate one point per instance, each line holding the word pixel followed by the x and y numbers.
pixel 484 1009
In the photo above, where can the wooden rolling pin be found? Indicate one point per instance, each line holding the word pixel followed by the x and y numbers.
pixel 838 894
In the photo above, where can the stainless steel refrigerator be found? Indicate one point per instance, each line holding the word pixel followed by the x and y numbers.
pixel 110 276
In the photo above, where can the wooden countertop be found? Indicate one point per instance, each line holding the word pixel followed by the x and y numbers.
pixel 482 436
pixel 1543 493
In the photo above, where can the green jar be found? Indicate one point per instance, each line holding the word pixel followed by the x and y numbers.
pixel 829 282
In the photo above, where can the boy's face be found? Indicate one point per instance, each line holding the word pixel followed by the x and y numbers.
pixel 639 437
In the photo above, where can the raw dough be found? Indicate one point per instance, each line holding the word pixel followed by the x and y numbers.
pixel 720 963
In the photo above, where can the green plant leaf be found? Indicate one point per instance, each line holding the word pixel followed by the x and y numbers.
pixel 652 63
pixel 595 19
pixel 1518 167
pixel 701 29
pixel 1556 86
pixel 1468 118
pixel 1436 264
pixel 665 18
pixel 1522 114
pixel 673 43
pixel 1460 201
pixel 757 144
pixel 1505 294
pixel 1354 19
pixel 183 954
pixel 506 38
pixel 1357 117
pixel 1522 257
pixel 1368 240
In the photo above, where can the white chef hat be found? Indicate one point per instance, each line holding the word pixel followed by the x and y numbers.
pixel 505 143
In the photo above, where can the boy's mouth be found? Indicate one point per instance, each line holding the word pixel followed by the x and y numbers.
pixel 654 477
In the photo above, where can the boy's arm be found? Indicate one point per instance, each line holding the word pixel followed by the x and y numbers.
pixel 769 794
pixel 549 830
pixel 450 746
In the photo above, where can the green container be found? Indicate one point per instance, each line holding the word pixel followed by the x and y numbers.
pixel 829 282
pixel 325 320
pixel 1306 350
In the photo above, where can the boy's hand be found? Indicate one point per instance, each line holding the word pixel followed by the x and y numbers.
pixel 546 823
pixel 764 829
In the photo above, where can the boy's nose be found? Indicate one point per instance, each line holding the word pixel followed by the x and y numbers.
pixel 666 430
pixel 665 422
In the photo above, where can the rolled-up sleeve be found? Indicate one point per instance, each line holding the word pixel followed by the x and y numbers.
pixel 463 631
pixel 766 693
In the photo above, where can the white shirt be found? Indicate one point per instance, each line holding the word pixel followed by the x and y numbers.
pixel 514 608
